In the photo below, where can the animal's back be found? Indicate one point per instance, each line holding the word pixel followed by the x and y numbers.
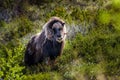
pixel 33 50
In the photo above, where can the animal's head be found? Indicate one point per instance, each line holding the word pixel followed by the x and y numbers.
pixel 55 29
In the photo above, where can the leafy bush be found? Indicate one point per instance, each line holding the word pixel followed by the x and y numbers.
pixel 25 26
pixel 11 65
pixel 96 49
pixel 7 3
pixel 16 29
pixel 2 23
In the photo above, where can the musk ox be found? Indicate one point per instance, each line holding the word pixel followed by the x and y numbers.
pixel 48 44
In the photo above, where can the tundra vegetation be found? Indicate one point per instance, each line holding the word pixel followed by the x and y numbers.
pixel 92 49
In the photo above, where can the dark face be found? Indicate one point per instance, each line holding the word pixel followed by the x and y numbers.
pixel 58 30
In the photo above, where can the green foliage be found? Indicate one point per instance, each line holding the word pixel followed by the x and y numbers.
pixel 2 23
pixel 115 21
pixel 96 49
pixel 25 26
pixel 59 11
pixel 39 2
pixel 11 64
pixel 16 29
pixel 104 17
pixel 115 4
pixel 7 3
pixel 41 76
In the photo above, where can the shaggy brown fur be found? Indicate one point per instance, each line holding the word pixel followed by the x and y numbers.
pixel 47 44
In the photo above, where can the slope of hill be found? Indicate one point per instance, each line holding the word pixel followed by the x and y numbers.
pixel 92 50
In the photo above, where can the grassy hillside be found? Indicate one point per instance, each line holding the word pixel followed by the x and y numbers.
pixel 92 49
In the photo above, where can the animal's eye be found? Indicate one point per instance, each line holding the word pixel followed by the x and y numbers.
pixel 54 30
